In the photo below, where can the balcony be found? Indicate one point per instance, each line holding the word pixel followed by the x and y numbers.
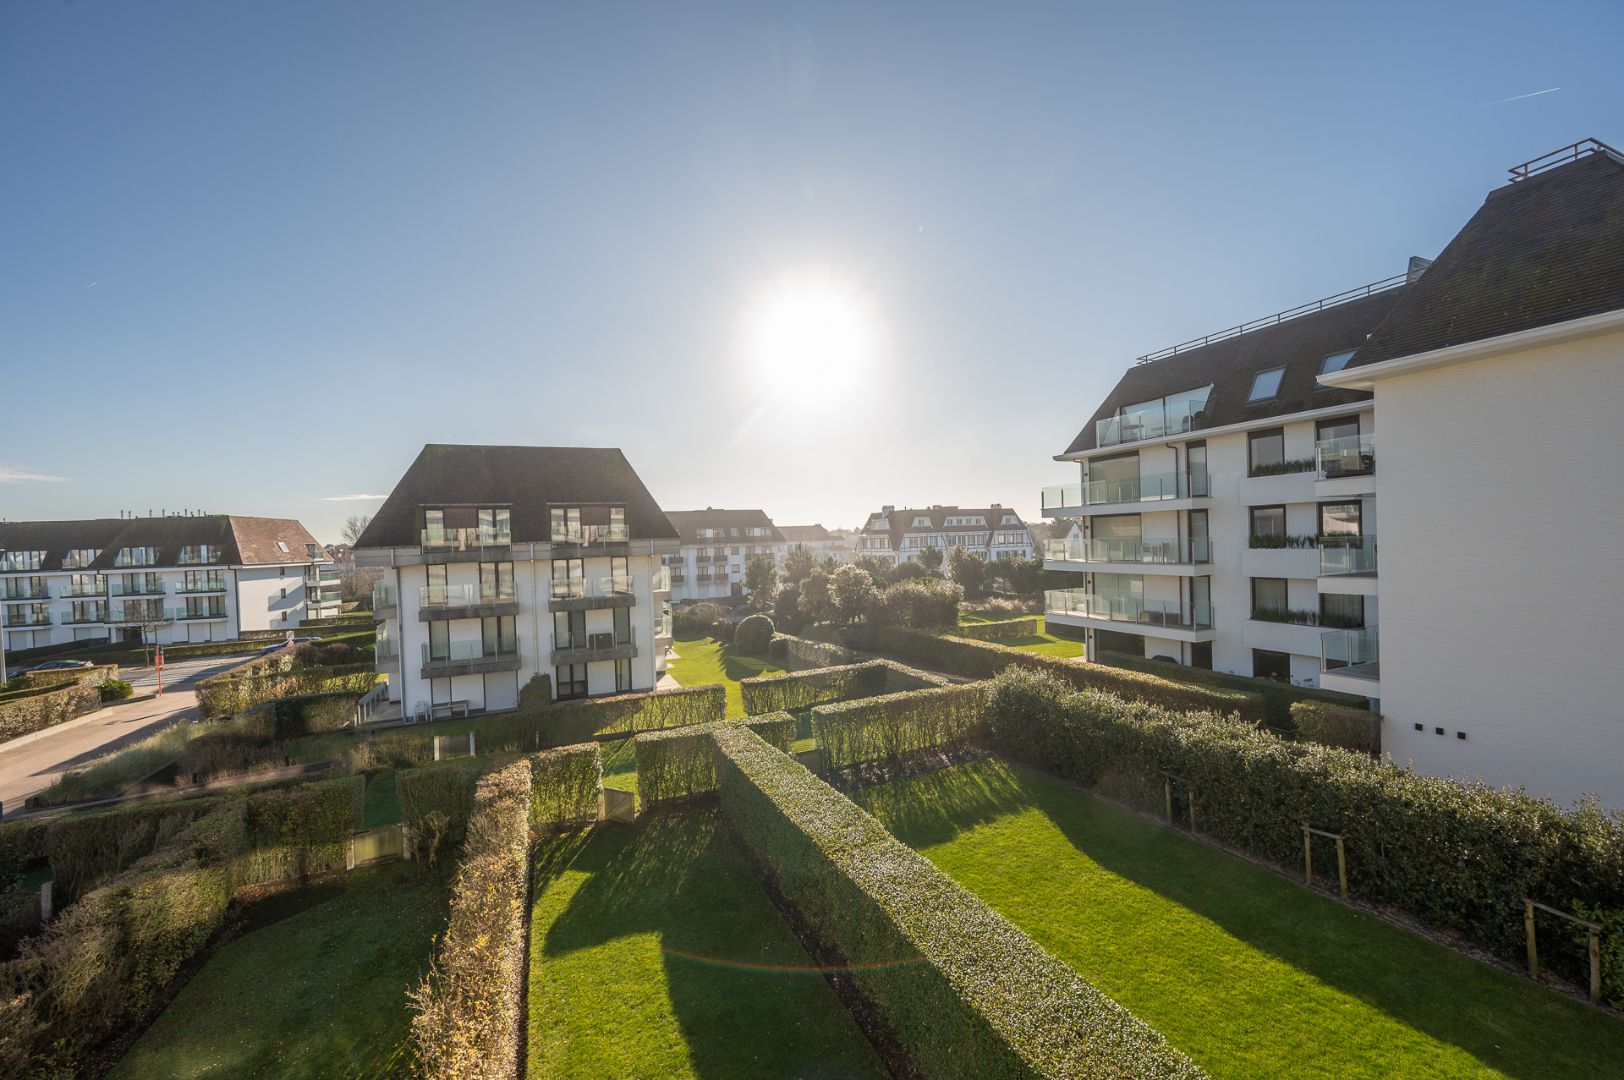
pixel 599 645
pixel 206 585
pixel 20 617
pixel 1154 423
pixel 436 602
pixel 592 536
pixel 1352 455
pixel 467 658
pixel 1137 553
pixel 584 594
pixel 1350 661
pixel 1067 500
pixel 201 614
pixel 79 590
pixel 385 652
pixel 20 562
pixel 97 614
pixel 324 577
pixel 466 545
pixel 1347 556
pixel 128 558
pixel 660 580
pixel 27 590
pixel 153 587
pixel 385 604
pixel 198 556
pixel 1079 607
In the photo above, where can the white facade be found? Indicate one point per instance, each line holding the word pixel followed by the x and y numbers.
pixel 898 536
pixel 715 569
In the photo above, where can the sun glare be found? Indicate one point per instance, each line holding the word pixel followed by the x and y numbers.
pixel 809 336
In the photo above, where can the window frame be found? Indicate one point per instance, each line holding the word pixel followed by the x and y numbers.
pixel 1252 396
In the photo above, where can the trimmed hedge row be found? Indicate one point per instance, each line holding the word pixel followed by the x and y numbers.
pixel 48 707
pixel 892 726
pixel 1001 630
pixel 435 802
pixel 798 653
pixel 277 676
pixel 84 851
pixel 984 659
pixel 565 784
pixel 301 830
pixel 101 964
pixel 469 1007
pixel 37 681
pixel 1278 697
pixel 681 764
pixel 963 991
pixel 1458 857
pixel 1337 725
pixel 800 689
pixel 566 723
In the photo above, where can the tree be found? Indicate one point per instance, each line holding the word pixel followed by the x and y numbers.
pixel 787 614
pixel 931 559
pixel 799 564
pixel 968 569
pixel 877 569
pixel 815 601
pixel 761 579
pixel 146 616
pixel 354 526
pixel 851 590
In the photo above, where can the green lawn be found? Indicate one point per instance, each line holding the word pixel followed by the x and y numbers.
pixel 1248 973
pixel 382 805
pixel 1044 642
pixel 654 953
pixel 317 989
pixel 705 660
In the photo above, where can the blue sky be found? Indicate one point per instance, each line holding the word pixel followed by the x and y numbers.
pixel 255 255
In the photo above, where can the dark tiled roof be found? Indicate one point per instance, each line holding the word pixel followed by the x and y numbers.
pixel 805 534
pixel 530 480
pixel 1299 345
pixel 689 522
pixel 245 541
pixel 902 520
pixel 1540 251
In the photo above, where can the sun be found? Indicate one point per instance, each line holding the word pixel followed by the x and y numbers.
pixel 809 335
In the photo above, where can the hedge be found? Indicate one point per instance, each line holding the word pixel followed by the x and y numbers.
pixel 1337 725
pixel 435 802
pixel 22 844
pixel 799 653
pixel 47 708
pixel 101 964
pixel 57 677
pixel 277 676
pixel 963 992
pixel 566 723
pixel 1278 697
pixel 681 764
pixel 984 659
pixel 789 691
pixel 1458 857
pixel 753 636
pixel 892 726
pixel 302 830
pixel 1001 630
pixel 469 1007
pixel 83 851
pixel 565 785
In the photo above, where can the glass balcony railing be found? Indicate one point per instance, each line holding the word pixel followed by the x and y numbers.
pixel 21 616
pixel 471 539
pixel 383 596
pixel 198 556
pixel 1152 487
pixel 457 651
pixel 155 587
pixel 201 585
pixel 596 639
pixel 593 534
pixel 325 577
pixel 81 589
pixel 1352 652
pixel 462 595
pixel 1352 455
pixel 385 651
pixel 1341 556
pixel 19 562
pixel 661 580
pixel 1185 550
pixel 28 590
pixel 598 587
pixel 1124 609
pixel 210 611
pixel 1154 423
pixel 93 615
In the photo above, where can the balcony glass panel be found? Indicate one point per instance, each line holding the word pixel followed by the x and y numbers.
pixel 1352 455
pixel 440 538
pixel 1344 555
pixel 1131 550
pixel 1351 652
pixel 447 652
pixel 1172 415
pixel 383 596
pixel 1128 609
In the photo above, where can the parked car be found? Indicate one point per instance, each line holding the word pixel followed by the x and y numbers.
pixel 59 665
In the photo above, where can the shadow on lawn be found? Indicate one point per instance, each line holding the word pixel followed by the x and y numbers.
pixel 1497 1018
pixel 744 992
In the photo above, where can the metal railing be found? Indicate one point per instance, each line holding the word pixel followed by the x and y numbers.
pixel 98 588
pixel 456 651
pixel 1152 487
pixel 1571 153
pixel 1154 423
pixel 1344 555
pixel 1351 652
pixel 1278 317
pixel 213 584
pixel 23 617
pixel 462 595
pixel 1180 550
pixel 116 587
pixel 597 587
pixel 1351 455
pixel 469 539
pixel 588 641
pixel 1171 614
pixel 593 534
pixel 28 590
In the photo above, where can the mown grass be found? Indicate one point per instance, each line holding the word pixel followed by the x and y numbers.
pixel 317 987
pixel 655 953
pixel 705 660
pixel 382 803
pixel 1043 642
pixel 1247 972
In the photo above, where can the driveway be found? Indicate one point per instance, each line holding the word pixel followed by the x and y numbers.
pixel 32 763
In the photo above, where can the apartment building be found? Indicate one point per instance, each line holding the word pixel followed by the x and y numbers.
pixel 822 543
pixel 994 532
pixel 162 580
pixel 504 562
pixel 1228 494
pixel 717 545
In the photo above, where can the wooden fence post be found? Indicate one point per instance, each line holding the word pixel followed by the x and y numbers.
pixel 1533 953
pixel 1167 792
pixel 1595 965
pixel 1342 867
pixel 1308 856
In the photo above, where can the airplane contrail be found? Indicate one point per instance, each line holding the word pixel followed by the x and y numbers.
pixel 1519 97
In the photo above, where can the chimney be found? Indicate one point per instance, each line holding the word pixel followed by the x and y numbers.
pixel 888 509
pixel 1417 267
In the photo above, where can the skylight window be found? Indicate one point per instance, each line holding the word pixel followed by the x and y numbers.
pixel 1265 385
pixel 1335 362
pixel 282 546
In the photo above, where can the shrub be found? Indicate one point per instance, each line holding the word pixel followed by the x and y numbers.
pixel 799 653
pixel 1002 630
pixel 435 802
pixel 1335 725
pixel 22 844
pixel 565 784
pixel 681 764
pixel 698 620
pixel 627 714
pixel 115 689
pixel 303 830
pixel 1458 857
pixel 924 604
pixel 984 659
pixel 789 691
pixel 468 1008
pixel 753 635
pixel 276 676
pixel 37 710
pixel 892 726
pixel 1277 696
pixel 85 850
pixel 964 992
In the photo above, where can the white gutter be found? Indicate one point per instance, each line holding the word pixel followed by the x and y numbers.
pixel 1365 378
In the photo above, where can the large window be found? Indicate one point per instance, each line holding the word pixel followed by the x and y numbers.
pixel 1268 597
pixel 1341 519
pixel 623 626
pixel 1268 522
pixel 499 636
pixel 569 681
pixel 623 675
pixel 1268 664
pixel 1265 385
pixel 569 578
pixel 566 524
pixel 495 581
pixel 569 629
pixel 1340 612
pixel 1265 450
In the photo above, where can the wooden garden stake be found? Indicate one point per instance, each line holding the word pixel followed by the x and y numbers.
pixel 1592 943
pixel 1167 792
pixel 1533 952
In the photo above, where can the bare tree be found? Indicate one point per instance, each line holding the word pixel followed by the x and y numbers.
pixel 148 616
pixel 354 526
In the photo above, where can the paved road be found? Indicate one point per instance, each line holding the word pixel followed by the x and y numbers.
pixel 32 763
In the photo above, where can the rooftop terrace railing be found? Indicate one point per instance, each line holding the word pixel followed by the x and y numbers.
pixel 1567 154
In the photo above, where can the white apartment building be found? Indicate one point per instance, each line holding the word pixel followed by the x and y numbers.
pixel 165 580
pixel 822 543
pixel 504 562
pixel 717 545
pixel 1229 494
pixel 897 536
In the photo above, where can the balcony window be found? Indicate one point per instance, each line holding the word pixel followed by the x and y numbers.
pixel 1268 664
pixel 79 558
pixel 33 588
pixel 1341 612
pixel 136 556
pixel 623 675
pixel 623 626
pixel 1269 598
pixel 1268 524
pixel 1335 362
pixel 569 681
pixel 569 579
pixel 1266 451
pixel 569 629
pixel 14 561
pixel 1265 385
pixel 197 554
pixel 1341 519
pixel 500 636
pixel 1153 419
pixel 495 581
